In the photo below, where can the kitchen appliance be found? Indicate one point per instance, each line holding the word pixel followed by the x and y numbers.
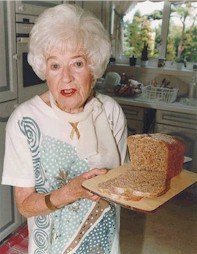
pixel 8 80
pixel 34 7
pixel 29 83
pixel 26 12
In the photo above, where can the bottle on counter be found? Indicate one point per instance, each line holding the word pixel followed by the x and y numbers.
pixel 193 84
pixel 124 79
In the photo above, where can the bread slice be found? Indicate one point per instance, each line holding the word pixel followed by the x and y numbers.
pixel 134 183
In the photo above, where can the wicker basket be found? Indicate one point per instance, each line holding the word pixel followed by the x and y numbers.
pixel 159 93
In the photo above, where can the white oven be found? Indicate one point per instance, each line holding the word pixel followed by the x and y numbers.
pixel 26 13
pixel 29 84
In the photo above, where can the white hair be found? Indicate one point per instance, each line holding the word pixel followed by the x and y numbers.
pixel 68 26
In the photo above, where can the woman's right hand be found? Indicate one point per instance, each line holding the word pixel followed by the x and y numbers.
pixel 74 189
pixel 31 203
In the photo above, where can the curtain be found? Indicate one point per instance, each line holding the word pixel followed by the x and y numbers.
pixel 119 9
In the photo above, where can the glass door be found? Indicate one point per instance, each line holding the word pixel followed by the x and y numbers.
pixel 8 79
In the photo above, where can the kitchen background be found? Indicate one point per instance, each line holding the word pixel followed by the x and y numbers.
pixel 171 229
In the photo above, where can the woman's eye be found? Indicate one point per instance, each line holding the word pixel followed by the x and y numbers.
pixel 55 66
pixel 79 64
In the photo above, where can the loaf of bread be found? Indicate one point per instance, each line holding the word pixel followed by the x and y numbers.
pixel 156 152
pixel 155 159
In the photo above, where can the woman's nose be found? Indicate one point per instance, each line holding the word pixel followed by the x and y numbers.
pixel 67 74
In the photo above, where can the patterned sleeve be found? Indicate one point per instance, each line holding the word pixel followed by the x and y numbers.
pixel 18 167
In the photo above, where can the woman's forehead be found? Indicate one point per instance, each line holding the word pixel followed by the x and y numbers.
pixel 67 52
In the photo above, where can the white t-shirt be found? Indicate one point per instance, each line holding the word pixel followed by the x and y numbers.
pixel 43 150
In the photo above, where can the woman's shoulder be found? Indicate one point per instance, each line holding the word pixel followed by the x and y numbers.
pixel 24 109
pixel 24 106
pixel 110 105
pixel 106 99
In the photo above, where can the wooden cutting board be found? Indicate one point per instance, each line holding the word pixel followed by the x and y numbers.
pixel 178 184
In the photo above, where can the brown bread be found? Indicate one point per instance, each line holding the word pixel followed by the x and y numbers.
pixel 156 152
pixel 155 159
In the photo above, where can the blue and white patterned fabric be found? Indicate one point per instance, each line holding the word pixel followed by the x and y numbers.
pixel 41 154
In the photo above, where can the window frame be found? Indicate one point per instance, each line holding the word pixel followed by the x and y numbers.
pixel 165 26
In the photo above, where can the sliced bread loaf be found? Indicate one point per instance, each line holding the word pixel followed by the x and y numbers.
pixel 155 159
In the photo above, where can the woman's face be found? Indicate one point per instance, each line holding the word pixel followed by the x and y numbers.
pixel 69 79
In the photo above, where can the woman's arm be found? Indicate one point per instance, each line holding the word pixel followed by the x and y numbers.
pixel 118 124
pixel 30 203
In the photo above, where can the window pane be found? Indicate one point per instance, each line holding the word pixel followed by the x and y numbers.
pixel 182 35
pixel 143 25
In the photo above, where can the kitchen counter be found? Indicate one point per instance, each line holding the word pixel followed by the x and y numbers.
pixel 179 79
pixel 141 102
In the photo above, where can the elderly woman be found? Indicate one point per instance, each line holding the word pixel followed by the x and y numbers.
pixel 69 134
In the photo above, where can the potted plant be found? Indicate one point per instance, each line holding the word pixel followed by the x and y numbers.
pixel 181 61
pixel 144 55
pixel 132 60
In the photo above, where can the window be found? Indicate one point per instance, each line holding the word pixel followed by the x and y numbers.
pixel 168 27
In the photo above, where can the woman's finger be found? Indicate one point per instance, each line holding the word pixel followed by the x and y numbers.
pixel 94 172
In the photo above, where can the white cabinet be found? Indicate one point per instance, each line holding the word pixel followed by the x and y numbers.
pixel 101 9
pixel 8 85
pixel 184 127
pixel 139 120
pixel 9 216
pixel 134 116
